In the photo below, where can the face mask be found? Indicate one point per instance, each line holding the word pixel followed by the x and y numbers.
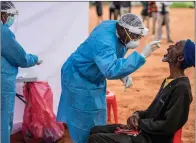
pixel 10 21
pixel 132 44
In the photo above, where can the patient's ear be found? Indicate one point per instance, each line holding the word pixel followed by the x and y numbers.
pixel 181 58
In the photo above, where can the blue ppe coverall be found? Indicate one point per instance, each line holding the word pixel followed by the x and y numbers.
pixel 83 79
pixel 12 57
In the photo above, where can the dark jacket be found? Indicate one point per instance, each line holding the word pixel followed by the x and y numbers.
pixel 145 8
pixel 168 112
pixel 125 3
pixel 117 4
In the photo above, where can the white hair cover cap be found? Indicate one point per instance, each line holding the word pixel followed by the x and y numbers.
pixel 133 23
pixel 8 7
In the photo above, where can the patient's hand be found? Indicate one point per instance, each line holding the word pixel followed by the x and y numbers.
pixel 132 121
pixel 123 127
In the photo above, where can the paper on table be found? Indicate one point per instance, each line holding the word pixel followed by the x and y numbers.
pixel 25 77
pixel 21 75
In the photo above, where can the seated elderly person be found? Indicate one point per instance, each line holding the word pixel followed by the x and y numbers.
pixel 166 114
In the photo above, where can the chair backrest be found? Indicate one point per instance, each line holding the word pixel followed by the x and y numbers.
pixel 177 136
pixel 109 94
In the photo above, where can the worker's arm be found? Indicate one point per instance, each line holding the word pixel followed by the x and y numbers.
pixel 13 52
pixel 116 68
pixel 175 117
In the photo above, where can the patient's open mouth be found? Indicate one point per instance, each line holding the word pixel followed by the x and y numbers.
pixel 165 58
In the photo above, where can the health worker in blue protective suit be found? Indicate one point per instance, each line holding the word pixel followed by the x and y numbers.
pixel 100 57
pixel 12 57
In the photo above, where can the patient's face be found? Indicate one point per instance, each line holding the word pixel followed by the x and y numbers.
pixel 174 52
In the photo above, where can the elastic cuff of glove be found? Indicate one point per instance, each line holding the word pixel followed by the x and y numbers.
pixel 142 55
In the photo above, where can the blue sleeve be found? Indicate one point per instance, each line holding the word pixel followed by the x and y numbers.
pixel 113 68
pixel 14 53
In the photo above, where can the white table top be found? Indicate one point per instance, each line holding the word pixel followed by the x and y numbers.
pixel 25 79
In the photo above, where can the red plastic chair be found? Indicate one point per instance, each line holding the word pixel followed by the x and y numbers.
pixel 111 103
pixel 177 136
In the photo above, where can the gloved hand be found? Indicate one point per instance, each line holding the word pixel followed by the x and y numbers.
pixel 127 81
pixel 148 49
pixel 39 62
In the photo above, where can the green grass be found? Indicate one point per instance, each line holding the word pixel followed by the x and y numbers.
pixel 189 4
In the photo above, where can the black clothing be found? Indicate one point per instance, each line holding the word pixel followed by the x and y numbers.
pixel 117 9
pixel 163 11
pixel 116 5
pixel 105 134
pixel 145 8
pixel 98 8
pixel 166 114
pixel 125 3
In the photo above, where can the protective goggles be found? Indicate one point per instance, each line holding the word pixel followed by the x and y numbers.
pixel 133 36
pixel 11 11
pixel 136 30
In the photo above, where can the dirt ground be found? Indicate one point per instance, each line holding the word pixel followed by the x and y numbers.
pixel 148 79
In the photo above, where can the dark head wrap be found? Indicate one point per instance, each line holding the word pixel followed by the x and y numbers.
pixel 189 54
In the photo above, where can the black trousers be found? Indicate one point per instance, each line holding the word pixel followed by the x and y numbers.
pixel 111 12
pixel 105 134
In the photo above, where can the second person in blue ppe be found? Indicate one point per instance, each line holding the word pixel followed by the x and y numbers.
pixel 12 57
pixel 100 57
